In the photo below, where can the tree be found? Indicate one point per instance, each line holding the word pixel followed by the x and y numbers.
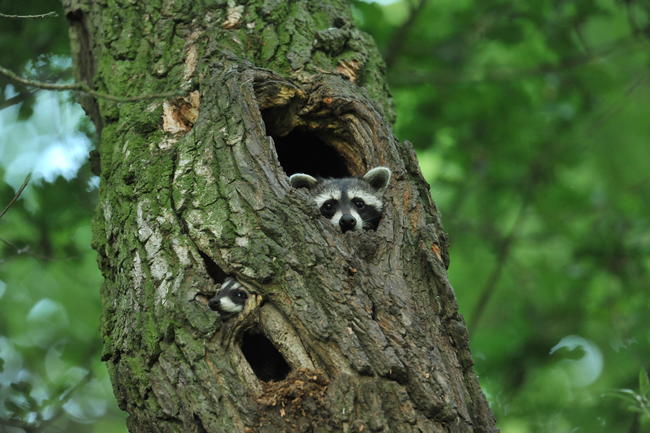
pixel 354 332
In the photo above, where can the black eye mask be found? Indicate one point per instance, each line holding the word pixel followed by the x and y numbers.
pixel 230 298
pixel 350 203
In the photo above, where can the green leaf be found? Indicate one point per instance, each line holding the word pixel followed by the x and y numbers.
pixel 22 387
pixel 624 394
pixel 15 408
pixel 644 383
pixel 645 417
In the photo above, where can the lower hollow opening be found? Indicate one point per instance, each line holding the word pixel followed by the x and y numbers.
pixel 265 360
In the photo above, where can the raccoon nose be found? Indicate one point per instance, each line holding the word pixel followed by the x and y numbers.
pixel 214 304
pixel 347 222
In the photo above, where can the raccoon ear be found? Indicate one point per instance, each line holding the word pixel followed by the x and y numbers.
pixel 302 180
pixel 378 177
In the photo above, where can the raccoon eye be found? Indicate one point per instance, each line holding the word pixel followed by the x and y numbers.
pixel 358 203
pixel 240 294
pixel 328 206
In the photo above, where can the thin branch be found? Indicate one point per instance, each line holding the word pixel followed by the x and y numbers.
pixel 503 254
pixel 582 38
pixel 20 97
pixel 41 425
pixel 16 423
pixel 83 88
pixel 17 250
pixel 602 117
pixel 621 46
pixel 632 21
pixel 46 15
pixel 17 195
pixel 399 37
pixel 63 399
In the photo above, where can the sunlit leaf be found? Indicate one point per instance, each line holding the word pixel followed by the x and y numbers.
pixel 644 383
pixel 15 408
pixel 22 387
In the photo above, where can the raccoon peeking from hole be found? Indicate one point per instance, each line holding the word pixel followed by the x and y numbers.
pixel 351 203
pixel 230 299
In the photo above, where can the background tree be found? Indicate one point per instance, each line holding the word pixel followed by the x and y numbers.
pixel 477 88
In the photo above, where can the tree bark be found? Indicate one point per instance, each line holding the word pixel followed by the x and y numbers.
pixel 345 332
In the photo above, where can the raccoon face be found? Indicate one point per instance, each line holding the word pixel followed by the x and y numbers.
pixel 230 299
pixel 350 203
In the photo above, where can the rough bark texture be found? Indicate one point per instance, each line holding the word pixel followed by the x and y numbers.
pixel 195 188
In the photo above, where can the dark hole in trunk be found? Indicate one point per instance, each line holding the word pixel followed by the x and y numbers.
pixel 199 424
pixel 214 271
pixel 302 152
pixel 267 362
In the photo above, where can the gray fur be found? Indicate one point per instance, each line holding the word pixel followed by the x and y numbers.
pixel 351 203
pixel 230 298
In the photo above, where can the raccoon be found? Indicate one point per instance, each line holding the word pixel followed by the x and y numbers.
pixel 230 298
pixel 350 203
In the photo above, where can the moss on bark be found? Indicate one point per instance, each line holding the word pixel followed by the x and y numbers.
pixel 192 189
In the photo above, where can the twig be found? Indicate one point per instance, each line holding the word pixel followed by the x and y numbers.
pixel 17 250
pixel 601 118
pixel 503 255
pixel 17 195
pixel 16 423
pixel 491 283
pixel 63 399
pixel 20 97
pixel 621 46
pixel 399 37
pixel 41 425
pixel 46 15
pixel 631 19
pixel 80 87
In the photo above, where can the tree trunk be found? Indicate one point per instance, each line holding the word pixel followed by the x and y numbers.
pixel 346 332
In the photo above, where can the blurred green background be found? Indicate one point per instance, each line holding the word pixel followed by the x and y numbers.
pixel 532 125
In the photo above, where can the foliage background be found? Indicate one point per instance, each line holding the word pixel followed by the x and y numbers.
pixel 531 124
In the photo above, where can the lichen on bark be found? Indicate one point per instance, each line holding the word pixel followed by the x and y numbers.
pixel 360 331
